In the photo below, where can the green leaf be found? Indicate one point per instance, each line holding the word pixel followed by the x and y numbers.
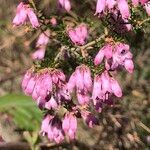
pixel 24 111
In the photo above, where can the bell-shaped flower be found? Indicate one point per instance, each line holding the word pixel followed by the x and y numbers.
pixel 104 87
pixel 65 4
pixel 45 124
pixel 89 119
pixel 69 125
pixel 124 8
pixel 55 131
pixel 25 13
pixel 78 35
pixel 81 82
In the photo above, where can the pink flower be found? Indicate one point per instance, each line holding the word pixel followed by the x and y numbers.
pixel 39 54
pixel 147 8
pixel 33 18
pixel 120 55
pixel 104 87
pixel 51 104
pixel 65 4
pixel 115 87
pixel 129 65
pixel 40 87
pixel 100 6
pixel 72 82
pixel 124 8
pixel 43 39
pixel 115 56
pixel 143 1
pixel 135 3
pixel 105 51
pixel 30 86
pixel 23 13
pixel 89 118
pixel 26 79
pixel 55 132
pixel 41 45
pixel 81 81
pixel 78 35
pixel 53 21
pixel 45 124
pixel 69 125
pixel 83 97
pixel 110 4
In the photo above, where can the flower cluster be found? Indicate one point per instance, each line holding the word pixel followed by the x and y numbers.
pixel 67 94
pixel 115 55
pixel 119 11
pixel 46 87
pixel 25 13
pixel 107 6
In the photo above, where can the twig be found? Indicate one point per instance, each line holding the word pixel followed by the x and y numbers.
pixel 14 146
pixel 33 4
pixel 92 42
pixel 144 126
pixel 76 50
pixel 144 21
pixel 65 144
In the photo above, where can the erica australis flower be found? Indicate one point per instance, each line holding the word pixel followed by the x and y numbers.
pixel 53 21
pixel 135 3
pixel 25 13
pixel 41 45
pixel 41 85
pixel 121 55
pixel 124 8
pixel 81 81
pixel 89 119
pixel 115 56
pixel 106 51
pixel 45 124
pixel 79 34
pixel 65 4
pixel 33 18
pixel 110 4
pixel 39 54
pixel 147 8
pixel 104 87
pixel 43 39
pixel 104 6
pixel 143 1
pixel 21 15
pixel 69 125
pixel 54 130
pixel 100 7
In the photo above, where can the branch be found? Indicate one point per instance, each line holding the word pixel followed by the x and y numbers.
pixel 92 42
pixel 144 21
pixel 14 146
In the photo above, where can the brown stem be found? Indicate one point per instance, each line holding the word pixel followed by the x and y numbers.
pixel 14 146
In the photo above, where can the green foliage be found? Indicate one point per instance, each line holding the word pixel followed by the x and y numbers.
pixel 23 110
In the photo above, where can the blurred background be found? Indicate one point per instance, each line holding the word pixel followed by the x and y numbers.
pixel 123 126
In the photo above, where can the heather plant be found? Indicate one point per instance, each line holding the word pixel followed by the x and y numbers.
pixel 75 58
